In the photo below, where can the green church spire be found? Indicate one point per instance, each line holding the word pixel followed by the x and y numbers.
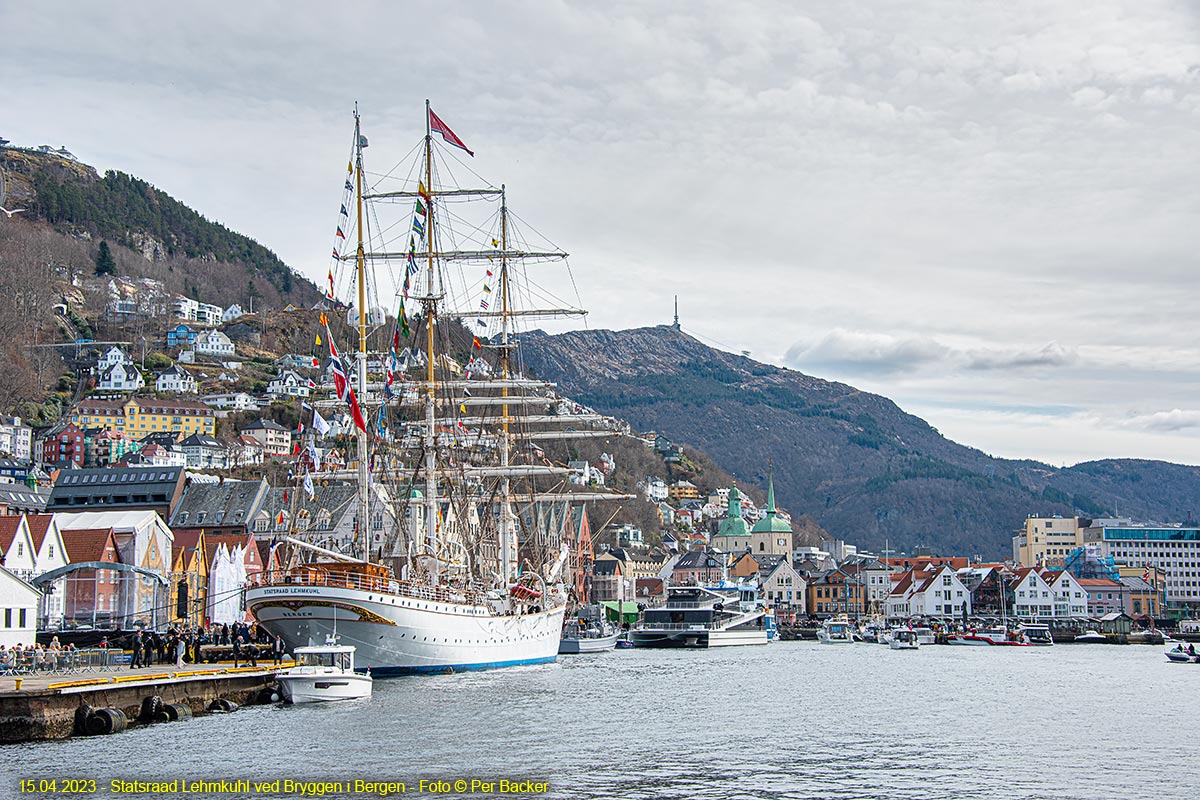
pixel 771 491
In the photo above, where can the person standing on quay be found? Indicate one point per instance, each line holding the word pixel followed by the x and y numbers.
pixel 277 650
pixel 237 650
pixel 136 661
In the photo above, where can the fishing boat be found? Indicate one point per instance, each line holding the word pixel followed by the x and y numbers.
pixel 836 630
pixel 697 616
pixel 588 632
pixel 323 672
pixel 469 577
pixel 904 639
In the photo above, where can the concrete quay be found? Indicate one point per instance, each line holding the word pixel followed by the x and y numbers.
pixel 47 705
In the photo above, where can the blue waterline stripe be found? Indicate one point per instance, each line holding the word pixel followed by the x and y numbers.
pixel 387 672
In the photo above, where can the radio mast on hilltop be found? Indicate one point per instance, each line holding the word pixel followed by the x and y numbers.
pixel 676 325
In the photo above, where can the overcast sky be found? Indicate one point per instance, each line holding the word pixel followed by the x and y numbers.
pixel 987 212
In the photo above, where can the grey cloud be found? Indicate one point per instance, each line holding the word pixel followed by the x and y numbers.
pixel 1051 354
pixel 860 352
pixel 1174 420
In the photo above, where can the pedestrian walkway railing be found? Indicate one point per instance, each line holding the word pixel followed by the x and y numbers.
pixel 59 662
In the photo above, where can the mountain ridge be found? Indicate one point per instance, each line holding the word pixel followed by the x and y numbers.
pixel 865 469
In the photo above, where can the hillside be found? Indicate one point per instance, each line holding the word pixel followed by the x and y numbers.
pixel 863 468
pixel 190 254
pixel 160 249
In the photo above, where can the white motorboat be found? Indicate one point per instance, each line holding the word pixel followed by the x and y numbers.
pixel 1091 637
pixel 588 633
pixel 1179 655
pixel 323 672
pixel 904 639
pixel 1038 635
pixel 925 635
pixel 836 630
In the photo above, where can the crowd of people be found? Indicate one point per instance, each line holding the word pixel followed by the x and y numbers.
pixel 37 657
pixel 183 644
pixel 178 645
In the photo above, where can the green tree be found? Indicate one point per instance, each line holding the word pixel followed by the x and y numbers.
pixel 105 265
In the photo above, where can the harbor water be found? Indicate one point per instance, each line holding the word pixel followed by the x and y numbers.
pixel 790 720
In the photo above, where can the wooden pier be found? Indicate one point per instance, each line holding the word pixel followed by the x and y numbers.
pixel 48 706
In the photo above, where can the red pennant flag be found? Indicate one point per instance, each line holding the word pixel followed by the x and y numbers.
pixel 437 126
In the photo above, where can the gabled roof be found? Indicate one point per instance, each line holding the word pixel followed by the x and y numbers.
pixel 776 567
pixel 10 526
pixel 201 440
pixel 697 559
pixel 648 587
pixel 87 544
pixel 185 539
pixel 39 526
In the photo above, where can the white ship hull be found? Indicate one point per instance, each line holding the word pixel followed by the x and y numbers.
pixel 397 635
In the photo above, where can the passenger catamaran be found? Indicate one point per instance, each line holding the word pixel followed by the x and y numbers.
pixel 489 590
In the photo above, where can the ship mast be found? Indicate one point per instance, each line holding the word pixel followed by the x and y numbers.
pixel 429 303
pixel 364 476
pixel 508 548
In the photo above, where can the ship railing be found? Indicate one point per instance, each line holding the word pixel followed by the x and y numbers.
pixel 315 576
pixel 679 626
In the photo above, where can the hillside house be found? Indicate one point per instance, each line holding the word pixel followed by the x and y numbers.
pixel 181 336
pixel 120 378
pixel 275 439
pixel 213 343
pixel 289 384
pixel 16 438
pixel 175 380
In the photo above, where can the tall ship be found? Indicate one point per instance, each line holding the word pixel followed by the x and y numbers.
pixel 468 571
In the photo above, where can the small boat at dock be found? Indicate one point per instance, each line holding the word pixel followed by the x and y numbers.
pixel 836 630
pixel 588 633
pixel 904 639
pixel 1091 637
pixel 1037 635
pixel 323 672
pixel 989 637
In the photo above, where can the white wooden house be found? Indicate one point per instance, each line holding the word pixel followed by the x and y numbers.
pixel 175 380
